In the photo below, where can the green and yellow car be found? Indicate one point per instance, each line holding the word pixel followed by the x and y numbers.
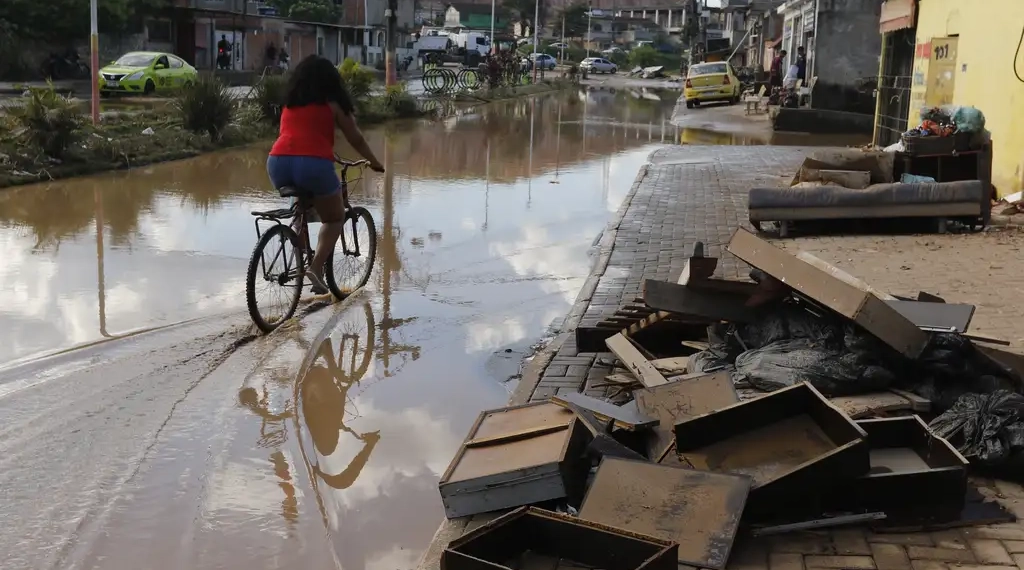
pixel 146 72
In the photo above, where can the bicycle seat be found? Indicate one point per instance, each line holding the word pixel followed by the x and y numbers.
pixel 293 192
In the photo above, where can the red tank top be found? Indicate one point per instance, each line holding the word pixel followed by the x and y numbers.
pixel 306 131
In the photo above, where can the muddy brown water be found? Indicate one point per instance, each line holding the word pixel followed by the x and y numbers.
pixel 143 420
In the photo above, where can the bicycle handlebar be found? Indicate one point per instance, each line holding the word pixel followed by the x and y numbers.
pixel 349 163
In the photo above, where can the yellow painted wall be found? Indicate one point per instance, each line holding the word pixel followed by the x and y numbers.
pixel 986 52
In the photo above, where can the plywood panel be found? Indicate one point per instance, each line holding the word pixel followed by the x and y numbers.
pixel 701 511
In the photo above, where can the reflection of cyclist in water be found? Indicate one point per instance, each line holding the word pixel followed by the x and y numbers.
pixel 323 393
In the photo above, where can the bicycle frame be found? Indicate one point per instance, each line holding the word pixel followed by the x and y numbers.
pixel 300 226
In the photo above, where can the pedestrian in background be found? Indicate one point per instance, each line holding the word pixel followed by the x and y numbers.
pixel 775 73
pixel 801 64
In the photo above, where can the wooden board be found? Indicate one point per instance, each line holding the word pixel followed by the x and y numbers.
pixel 832 291
pixel 865 405
pixel 671 366
pixel 701 511
pixel 713 305
pixel 917 403
pixel 955 316
pixel 635 362
pixel 622 417
pixel 677 401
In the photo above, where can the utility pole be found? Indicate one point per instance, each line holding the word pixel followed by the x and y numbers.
pixel 391 19
pixel 561 50
pixel 493 8
pixel 94 49
pixel 536 35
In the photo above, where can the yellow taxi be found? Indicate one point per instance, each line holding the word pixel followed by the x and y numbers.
pixel 708 82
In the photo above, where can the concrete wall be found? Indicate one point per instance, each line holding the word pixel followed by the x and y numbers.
pixel 986 55
pixel 847 46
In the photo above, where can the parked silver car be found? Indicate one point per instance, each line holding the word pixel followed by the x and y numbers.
pixel 598 65
pixel 542 61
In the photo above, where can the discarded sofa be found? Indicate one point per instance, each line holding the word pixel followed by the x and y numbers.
pixel 942 201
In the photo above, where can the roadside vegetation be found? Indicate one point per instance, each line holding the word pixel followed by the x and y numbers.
pixel 47 135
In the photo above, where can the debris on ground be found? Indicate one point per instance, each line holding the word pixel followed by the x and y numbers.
pixel 725 400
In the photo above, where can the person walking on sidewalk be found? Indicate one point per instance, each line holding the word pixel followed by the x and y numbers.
pixel 801 64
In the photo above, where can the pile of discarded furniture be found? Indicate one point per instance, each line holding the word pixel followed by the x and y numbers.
pixel 858 184
pixel 801 405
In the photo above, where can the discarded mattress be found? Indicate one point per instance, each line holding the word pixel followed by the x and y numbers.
pixel 961 198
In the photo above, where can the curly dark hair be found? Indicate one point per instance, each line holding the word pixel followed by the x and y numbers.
pixel 316 81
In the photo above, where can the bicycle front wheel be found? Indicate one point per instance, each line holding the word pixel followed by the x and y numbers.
pixel 351 261
pixel 273 283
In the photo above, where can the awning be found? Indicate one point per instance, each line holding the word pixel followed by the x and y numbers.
pixel 897 15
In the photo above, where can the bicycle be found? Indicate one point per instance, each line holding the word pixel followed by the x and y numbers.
pixel 291 246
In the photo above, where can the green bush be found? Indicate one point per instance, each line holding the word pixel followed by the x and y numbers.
pixel 269 95
pixel 399 102
pixel 644 56
pixel 358 79
pixel 206 107
pixel 48 121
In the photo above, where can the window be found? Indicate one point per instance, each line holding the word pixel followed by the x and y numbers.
pixel 708 69
pixel 135 60
pixel 176 63
pixel 162 60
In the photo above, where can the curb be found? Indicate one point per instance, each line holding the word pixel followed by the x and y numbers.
pixel 535 369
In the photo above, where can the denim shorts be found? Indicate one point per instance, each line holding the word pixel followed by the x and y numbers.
pixel 309 174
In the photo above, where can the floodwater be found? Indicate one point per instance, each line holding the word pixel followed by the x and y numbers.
pixel 143 420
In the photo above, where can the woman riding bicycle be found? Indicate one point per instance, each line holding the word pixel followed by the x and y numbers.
pixel 316 103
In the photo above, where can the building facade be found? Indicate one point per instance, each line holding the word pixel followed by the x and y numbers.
pixel 962 55
pixel 843 45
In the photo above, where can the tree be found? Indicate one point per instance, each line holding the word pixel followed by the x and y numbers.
pixel 324 11
pixel 523 10
pixel 575 20
pixel 64 22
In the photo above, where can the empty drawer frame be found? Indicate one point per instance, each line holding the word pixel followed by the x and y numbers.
pixel 912 470
pixel 791 443
pixel 530 532
pixel 517 456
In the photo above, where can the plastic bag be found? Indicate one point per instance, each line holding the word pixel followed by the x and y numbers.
pixel 988 429
pixel 968 120
pixel 951 366
pixel 833 372
pixel 908 178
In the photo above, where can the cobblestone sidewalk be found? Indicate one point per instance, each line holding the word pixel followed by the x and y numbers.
pixel 696 193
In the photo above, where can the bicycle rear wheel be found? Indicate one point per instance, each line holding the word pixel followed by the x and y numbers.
pixel 351 261
pixel 278 265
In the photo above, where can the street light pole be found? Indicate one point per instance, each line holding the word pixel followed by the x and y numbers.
pixel 492 25
pixel 94 49
pixel 561 50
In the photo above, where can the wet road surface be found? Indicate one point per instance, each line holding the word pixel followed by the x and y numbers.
pixel 172 434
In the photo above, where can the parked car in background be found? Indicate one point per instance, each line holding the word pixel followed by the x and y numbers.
pixel 559 45
pixel 541 60
pixel 598 65
pixel 707 82
pixel 612 51
pixel 146 72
